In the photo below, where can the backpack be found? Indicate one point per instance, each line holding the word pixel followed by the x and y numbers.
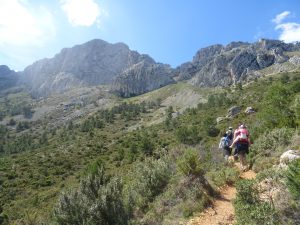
pixel 227 141
pixel 224 142
pixel 243 135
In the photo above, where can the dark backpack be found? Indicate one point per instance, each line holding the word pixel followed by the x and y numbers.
pixel 227 141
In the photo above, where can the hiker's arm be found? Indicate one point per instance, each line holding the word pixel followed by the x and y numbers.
pixel 234 141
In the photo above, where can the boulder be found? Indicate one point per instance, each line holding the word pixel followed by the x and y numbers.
pixel 233 111
pixel 221 119
pixel 288 157
pixel 249 110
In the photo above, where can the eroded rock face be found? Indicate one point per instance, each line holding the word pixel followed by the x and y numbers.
pixel 265 59
pixel 95 62
pixel 236 62
pixel 8 77
pixel 142 77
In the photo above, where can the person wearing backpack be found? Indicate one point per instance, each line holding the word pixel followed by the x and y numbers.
pixel 242 142
pixel 224 145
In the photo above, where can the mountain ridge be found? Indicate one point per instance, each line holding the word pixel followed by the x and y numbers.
pixel 130 73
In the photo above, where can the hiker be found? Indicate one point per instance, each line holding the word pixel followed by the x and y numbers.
pixel 230 134
pixel 234 134
pixel 224 144
pixel 242 140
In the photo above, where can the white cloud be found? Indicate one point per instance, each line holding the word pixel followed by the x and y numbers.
pixel 290 32
pixel 21 25
pixel 280 17
pixel 24 30
pixel 81 12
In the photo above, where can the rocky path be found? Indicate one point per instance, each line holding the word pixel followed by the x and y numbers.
pixel 222 211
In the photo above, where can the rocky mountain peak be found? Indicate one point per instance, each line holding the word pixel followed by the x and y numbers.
pixel 219 65
pixel 95 62
pixel 8 77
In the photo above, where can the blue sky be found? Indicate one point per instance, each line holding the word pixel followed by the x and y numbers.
pixel 169 31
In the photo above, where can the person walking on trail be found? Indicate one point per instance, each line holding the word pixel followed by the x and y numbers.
pixel 224 144
pixel 230 130
pixel 242 141
pixel 233 145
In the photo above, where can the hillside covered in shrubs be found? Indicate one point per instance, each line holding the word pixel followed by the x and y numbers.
pixel 99 170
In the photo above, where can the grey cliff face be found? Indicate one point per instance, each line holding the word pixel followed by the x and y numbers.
pixel 142 77
pixel 95 62
pixel 219 65
pixel 8 77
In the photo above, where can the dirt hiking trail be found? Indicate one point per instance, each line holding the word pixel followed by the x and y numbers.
pixel 222 211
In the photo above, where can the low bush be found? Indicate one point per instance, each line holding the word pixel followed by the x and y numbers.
pixel 149 180
pixel 248 207
pixel 97 201
pixel 223 175
pixel 293 179
pixel 189 163
pixel 268 147
pixel 188 135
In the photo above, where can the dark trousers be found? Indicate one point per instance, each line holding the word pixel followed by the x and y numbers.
pixel 226 152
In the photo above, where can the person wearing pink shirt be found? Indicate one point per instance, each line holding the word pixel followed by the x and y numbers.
pixel 241 139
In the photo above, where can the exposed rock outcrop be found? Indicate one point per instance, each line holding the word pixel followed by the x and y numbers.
pixel 142 77
pixel 249 110
pixel 233 111
pixel 288 157
pixel 221 119
pixel 236 62
pixel 95 62
pixel 295 60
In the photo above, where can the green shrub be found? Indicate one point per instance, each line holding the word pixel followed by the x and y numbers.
pixel 223 175
pixel 275 111
pixel 188 135
pixel 149 180
pixel 97 201
pixel 293 179
pixel 267 148
pixel 189 163
pixel 249 209
pixel 296 108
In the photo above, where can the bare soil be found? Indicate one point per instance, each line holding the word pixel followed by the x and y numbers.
pixel 222 210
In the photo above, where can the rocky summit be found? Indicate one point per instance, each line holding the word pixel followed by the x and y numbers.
pixel 93 63
pixel 219 65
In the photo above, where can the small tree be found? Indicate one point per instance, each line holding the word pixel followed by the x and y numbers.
pixel 189 163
